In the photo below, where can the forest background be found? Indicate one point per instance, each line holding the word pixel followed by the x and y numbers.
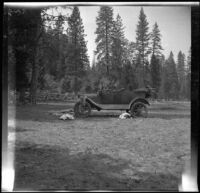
pixel 45 56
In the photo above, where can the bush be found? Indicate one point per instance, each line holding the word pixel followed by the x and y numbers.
pixel 11 97
pixel 65 85
pixel 50 83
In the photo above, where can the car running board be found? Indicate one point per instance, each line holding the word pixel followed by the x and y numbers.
pixel 113 106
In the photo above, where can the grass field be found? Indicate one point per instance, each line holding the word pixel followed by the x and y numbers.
pixel 101 152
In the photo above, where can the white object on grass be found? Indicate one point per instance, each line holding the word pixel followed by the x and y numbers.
pixel 125 116
pixel 67 116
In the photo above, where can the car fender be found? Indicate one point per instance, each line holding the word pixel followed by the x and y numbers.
pixel 93 104
pixel 142 100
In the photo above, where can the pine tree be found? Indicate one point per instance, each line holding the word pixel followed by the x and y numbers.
pixel 93 68
pixel 165 81
pixel 188 76
pixel 36 54
pixel 130 51
pixel 156 41
pixel 155 59
pixel 171 79
pixel 17 39
pixel 77 58
pixel 142 44
pixel 55 44
pixel 128 79
pixel 181 74
pixel 59 32
pixel 26 28
pixel 155 73
pixel 103 40
pixel 118 49
pixel 162 75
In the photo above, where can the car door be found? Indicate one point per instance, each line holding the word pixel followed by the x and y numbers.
pixel 127 96
pixel 107 97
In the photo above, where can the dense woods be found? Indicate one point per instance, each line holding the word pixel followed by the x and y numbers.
pixel 43 56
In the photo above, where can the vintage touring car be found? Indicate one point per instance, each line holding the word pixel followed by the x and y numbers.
pixel 132 101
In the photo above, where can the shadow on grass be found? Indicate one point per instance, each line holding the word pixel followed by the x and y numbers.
pixel 52 168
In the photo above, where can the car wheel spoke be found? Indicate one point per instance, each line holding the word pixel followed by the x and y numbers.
pixel 82 110
pixel 139 110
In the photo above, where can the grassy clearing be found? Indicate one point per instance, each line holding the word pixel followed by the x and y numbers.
pixel 101 152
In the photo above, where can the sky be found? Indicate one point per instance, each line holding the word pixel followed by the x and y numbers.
pixel 174 23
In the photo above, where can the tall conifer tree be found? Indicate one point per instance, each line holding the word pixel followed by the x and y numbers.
pixel 118 48
pixel 188 76
pixel 181 74
pixel 171 82
pixel 155 73
pixel 142 45
pixel 77 58
pixel 156 56
pixel 156 47
pixel 103 40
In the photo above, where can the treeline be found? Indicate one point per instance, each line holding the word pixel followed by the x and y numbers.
pixel 43 56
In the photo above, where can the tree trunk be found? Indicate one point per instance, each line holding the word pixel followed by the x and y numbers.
pixel 107 60
pixel 76 66
pixel 34 79
pixel 59 64
pixel 35 64
pixel 75 86
pixel 22 99
pixel 141 77
pixel 141 73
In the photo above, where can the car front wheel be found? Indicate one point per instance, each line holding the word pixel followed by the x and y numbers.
pixel 139 109
pixel 82 109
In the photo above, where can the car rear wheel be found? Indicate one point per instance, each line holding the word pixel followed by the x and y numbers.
pixel 82 109
pixel 139 109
